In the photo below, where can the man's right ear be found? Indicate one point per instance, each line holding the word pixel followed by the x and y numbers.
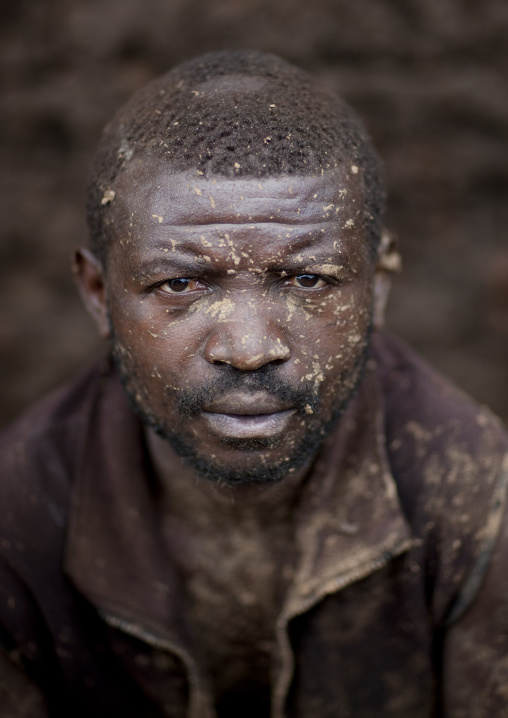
pixel 91 282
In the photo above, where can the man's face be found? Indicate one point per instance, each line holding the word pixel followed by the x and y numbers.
pixel 241 312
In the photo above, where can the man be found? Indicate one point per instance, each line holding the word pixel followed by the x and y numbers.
pixel 261 504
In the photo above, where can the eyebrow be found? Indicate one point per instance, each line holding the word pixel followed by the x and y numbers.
pixel 171 262
pixel 194 259
pixel 319 260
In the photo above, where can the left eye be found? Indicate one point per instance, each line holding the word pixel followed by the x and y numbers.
pixel 179 285
pixel 308 281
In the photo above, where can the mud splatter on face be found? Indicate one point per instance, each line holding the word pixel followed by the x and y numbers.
pixel 191 401
pixel 255 311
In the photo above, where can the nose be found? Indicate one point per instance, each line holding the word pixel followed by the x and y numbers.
pixel 248 339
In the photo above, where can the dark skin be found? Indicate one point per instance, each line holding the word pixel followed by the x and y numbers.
pixel 205 273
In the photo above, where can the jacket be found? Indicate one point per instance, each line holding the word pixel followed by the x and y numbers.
pixel 399 605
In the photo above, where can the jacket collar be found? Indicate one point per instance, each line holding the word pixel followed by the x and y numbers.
pixel 114 552
pixel 350 519
pixel 349 523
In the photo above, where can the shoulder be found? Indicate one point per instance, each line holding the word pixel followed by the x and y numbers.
pixel 448 458
pixel 38 455
pixel 414 390
pixel 434 431
pixel 58 411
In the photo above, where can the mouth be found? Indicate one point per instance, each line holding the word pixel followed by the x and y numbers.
pixel 248 416
pixel 248 426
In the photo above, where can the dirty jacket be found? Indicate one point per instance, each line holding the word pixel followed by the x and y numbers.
pixel 398 608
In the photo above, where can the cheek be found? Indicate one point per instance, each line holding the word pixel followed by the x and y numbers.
pixel 336 347
pixel 353 304
pixel 342 321
pixel 147 329
pixel 156 360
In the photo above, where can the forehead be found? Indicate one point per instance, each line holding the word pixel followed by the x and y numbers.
pixel 186 196
pixel 153 205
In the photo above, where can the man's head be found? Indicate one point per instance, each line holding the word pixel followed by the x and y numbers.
pixel 235 214
pixel 235 114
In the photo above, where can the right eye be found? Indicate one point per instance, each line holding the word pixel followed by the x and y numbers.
pixel 306 281
pixel 180 285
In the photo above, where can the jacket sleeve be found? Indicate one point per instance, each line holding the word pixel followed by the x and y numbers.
pixel 475 659
pixel 19 697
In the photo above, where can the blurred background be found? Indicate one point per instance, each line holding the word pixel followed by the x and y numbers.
pixel 429 77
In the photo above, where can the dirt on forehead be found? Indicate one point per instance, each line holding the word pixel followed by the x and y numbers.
pixel 428 79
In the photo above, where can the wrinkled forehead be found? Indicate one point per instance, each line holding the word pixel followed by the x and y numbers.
pixel 151 191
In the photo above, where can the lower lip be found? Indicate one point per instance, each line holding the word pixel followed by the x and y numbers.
pixel 249 426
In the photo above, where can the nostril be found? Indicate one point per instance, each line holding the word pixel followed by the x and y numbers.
pixel 220 362
pixel 215 358
pixel 279 362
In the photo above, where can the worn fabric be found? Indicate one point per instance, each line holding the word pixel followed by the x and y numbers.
pixel 399 602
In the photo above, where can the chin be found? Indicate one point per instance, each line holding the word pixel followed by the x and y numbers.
pixel 259 467
pixel 261 474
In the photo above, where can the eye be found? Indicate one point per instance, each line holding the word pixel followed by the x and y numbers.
pixel 307 281
pixel 179 285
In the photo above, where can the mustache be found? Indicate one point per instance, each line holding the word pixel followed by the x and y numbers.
pixel 192 401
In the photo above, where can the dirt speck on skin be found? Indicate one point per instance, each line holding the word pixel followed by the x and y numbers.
pixel 108 197
pixel 221 309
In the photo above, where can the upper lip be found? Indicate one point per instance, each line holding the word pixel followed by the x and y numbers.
pixel 246 404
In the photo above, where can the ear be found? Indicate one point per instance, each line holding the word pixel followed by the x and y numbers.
pixel 92 286
pixel 388 263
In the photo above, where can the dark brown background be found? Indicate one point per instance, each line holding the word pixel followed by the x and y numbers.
pixel 428 76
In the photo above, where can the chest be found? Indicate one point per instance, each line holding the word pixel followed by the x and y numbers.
pixel 235 582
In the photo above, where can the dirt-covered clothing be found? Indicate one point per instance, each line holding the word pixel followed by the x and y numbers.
pixel 399 603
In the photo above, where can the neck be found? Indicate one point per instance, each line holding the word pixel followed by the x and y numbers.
pixel 191 496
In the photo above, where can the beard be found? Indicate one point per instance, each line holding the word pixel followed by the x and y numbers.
pixel 191 401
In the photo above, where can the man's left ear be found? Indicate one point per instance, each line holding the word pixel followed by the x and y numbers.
pixel 388 262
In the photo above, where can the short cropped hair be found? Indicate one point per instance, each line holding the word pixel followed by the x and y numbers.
pixel 273 120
